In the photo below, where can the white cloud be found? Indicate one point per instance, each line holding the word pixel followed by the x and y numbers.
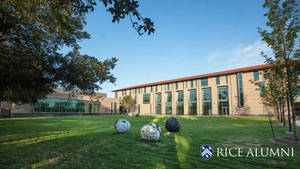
pixel 239 56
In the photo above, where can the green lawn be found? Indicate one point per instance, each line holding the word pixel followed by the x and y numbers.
pixel 90 142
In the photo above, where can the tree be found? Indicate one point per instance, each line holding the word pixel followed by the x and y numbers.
pixel 32 34
pixel 128 103
pixel 283 22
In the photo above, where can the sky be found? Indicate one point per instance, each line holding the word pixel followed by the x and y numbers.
pixel 192 37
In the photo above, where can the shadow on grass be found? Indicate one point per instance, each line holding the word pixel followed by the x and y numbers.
pixel 89 147
pixel 91 142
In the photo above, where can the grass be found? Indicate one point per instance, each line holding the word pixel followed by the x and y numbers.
pixel 90 142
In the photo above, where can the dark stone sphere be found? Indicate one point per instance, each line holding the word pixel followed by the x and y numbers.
pixel 172 125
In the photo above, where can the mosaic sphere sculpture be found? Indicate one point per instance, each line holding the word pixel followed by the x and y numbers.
pixel 172 125
pixel 151 132
pixel 122 126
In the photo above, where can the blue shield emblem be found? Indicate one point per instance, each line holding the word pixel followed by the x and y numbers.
pixel 206 151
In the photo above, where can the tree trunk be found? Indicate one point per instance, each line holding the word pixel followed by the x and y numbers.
pixel 283 113
pixel 280 111
pixel 277 112
pixel 290 98
pixel 294 119
pixel 289 113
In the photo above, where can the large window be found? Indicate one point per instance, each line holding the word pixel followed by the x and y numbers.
pixel 223 103
pixel 193 102
pixel 169 103
pixel 192 83
pixel 204 82
pixel 256 75
pixel 158 103
pixel 146 98
pixel 206 98
pixel 240 90
pixel 54 105
pixel 179 103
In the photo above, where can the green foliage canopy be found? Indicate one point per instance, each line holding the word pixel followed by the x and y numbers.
pixel 32 35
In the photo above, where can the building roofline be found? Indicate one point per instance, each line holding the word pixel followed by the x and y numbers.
pixel 227 72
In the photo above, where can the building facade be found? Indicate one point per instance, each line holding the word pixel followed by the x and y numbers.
pixel 232 92
pixel 61 102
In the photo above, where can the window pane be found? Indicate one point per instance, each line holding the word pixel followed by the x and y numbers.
pixel 169 108
pixel 223 93
pixel 193 95
pixel 146 98
pixel 179 108
pixel 206 94
pixel 158 103
pixel 256 76
pixel 223 107
pixel 240 90
pixel 207 110
pixel 180 96
pixel 168 97
pixel 218 80
pixel 204 82
pixel 168 103
pixel 261 89
pixel 193 108
pixel 158 98
pixel 226 79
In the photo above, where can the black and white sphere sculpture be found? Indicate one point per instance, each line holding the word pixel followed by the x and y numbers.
pixel 122 126
pixel 172 125
pixel 151 132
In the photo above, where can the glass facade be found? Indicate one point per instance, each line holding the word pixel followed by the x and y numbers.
pixel 256 75
pixel 169 103
pixel 56 105
pixel 204 82
pixel 223 103
pixel 179 103
pixel 206 98
pixel 158 103
pixel 146 98
pixel 193 102
pixel 240 90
